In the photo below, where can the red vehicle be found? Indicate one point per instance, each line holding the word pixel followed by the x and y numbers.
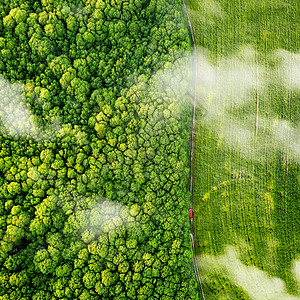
pixel 191 213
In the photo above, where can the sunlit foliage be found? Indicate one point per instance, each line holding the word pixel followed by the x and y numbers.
pixel 94 180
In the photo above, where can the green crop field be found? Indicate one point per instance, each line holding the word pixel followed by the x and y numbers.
pixel 247 154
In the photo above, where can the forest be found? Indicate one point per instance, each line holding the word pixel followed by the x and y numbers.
pixel 94 156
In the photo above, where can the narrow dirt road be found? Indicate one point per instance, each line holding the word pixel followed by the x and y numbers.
pixel 192 154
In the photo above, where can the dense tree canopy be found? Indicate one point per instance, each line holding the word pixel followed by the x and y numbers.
pixel 94 175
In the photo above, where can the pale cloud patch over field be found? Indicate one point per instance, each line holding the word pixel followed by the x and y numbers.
pixel 296 269
pixel 289 70
pixel 231 93
pixel 258 284
pixel 288 137
pixel 229 84
pixel 226 84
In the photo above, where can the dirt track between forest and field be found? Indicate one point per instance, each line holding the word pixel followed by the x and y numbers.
pixel 192 145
